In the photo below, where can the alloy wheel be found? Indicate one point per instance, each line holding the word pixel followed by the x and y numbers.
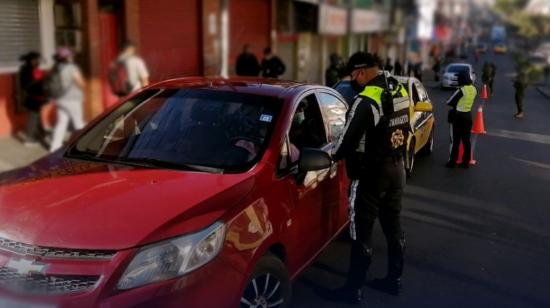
pixel 262 292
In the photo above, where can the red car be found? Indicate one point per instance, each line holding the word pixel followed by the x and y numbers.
pixel 194 192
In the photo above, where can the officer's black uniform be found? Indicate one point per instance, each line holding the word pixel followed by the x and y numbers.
pixel 376 191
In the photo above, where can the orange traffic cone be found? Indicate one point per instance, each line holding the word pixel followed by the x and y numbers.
pixel 484 93
pixel 479 128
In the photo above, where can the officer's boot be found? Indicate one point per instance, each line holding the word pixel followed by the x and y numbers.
pixel 359 263
pixel 391 284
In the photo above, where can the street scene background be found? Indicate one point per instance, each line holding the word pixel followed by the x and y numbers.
pixel 475 238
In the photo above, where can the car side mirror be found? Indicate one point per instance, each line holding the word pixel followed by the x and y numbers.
pixel 423 107
pixel 314 159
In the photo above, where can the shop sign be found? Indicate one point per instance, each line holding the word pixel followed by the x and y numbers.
pixel 365 21
pixel 333 20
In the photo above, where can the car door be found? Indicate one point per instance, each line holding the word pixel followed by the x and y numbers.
pixel 424 120
pixel 335 209
pixel 308 190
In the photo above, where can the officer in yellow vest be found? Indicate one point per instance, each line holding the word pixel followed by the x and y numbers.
pixel 460 119
pixel 378 125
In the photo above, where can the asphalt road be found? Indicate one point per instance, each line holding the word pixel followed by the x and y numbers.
pixel 477 237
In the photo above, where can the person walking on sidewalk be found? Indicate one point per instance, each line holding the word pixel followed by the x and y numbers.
pixel 69 97
pixel 31 84
pixel 272 65
pixel 520 84
pixel 128 72
pixel 247 63
pixel 380 117
pixel 460 120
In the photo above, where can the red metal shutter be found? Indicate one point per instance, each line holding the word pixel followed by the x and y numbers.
pixel 170 37
pixel 250 23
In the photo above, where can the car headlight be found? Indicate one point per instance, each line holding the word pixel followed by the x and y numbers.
pixel 173 258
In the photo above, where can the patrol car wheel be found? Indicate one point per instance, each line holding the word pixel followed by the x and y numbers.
pixel 429 146
pixel 409 161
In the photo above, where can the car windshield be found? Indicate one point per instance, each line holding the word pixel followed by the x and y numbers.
pixel 457 69
pixel 188 129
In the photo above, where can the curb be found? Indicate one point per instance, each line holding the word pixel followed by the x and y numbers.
pixel 543 92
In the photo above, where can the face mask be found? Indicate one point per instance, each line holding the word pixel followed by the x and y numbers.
pixel 298 118
pixel 356 86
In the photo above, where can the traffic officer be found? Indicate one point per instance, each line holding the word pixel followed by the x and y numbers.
pixel 460 119
pixel 378 126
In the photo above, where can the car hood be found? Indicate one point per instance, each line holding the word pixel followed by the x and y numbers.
pixel 65 203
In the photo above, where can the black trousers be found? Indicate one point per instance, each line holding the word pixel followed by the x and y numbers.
pixel 461 132
pixel 376 195
pixel 519 101
pixel 34 127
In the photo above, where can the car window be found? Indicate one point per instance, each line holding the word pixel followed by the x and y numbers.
pixel 458 69
pixel 308 129
pixel 422 94
pixel 183 129
pixel 334 111
pixel 415 94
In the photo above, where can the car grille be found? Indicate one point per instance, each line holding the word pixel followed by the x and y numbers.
pixel 40 284
pixel 47 252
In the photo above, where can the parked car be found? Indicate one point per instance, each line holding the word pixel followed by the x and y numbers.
pixel 500 47
pixel 450 74
pixel 194 192
pixel 421 113
pixel 540 57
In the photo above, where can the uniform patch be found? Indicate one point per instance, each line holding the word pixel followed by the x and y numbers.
pixel 397 138
pixel 399 120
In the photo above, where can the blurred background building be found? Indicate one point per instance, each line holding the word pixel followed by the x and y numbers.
pixel 204 37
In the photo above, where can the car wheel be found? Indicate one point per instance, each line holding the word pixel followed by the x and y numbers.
pixel 409 160
pixel 269 285
pixel 429 146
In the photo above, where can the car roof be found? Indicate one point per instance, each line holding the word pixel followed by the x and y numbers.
pixel 248 85
pixel 459 64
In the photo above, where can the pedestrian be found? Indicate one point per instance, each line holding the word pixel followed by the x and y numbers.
pixel 487 76
pixel 128 72
pixel 493 74
pixel 380 118
pixel 460 119
pixel 31 84
pixel 436 68
pixel 68 95
pixel 388 67
pixel 247 63
pixel 335 72
pixel 520 84
pixel 272 65
pixel 546 73
pixel 397 68
pixel 418 70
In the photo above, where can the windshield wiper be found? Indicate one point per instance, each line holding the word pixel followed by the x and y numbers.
pixel 156 163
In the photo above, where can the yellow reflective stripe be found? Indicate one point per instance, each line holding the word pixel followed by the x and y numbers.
pixel 466 102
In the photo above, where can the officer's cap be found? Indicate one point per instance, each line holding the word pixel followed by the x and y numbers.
pixel 361 59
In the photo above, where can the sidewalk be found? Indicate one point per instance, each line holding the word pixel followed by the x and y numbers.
pixel 544 90
pixel 13 154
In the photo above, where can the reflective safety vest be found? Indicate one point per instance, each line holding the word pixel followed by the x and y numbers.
pixel 375 93
pixel 466 102
pixel 389 137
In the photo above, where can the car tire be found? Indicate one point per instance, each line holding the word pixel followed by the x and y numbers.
pixel 429 146
pixel 409 159
pixel 269 285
